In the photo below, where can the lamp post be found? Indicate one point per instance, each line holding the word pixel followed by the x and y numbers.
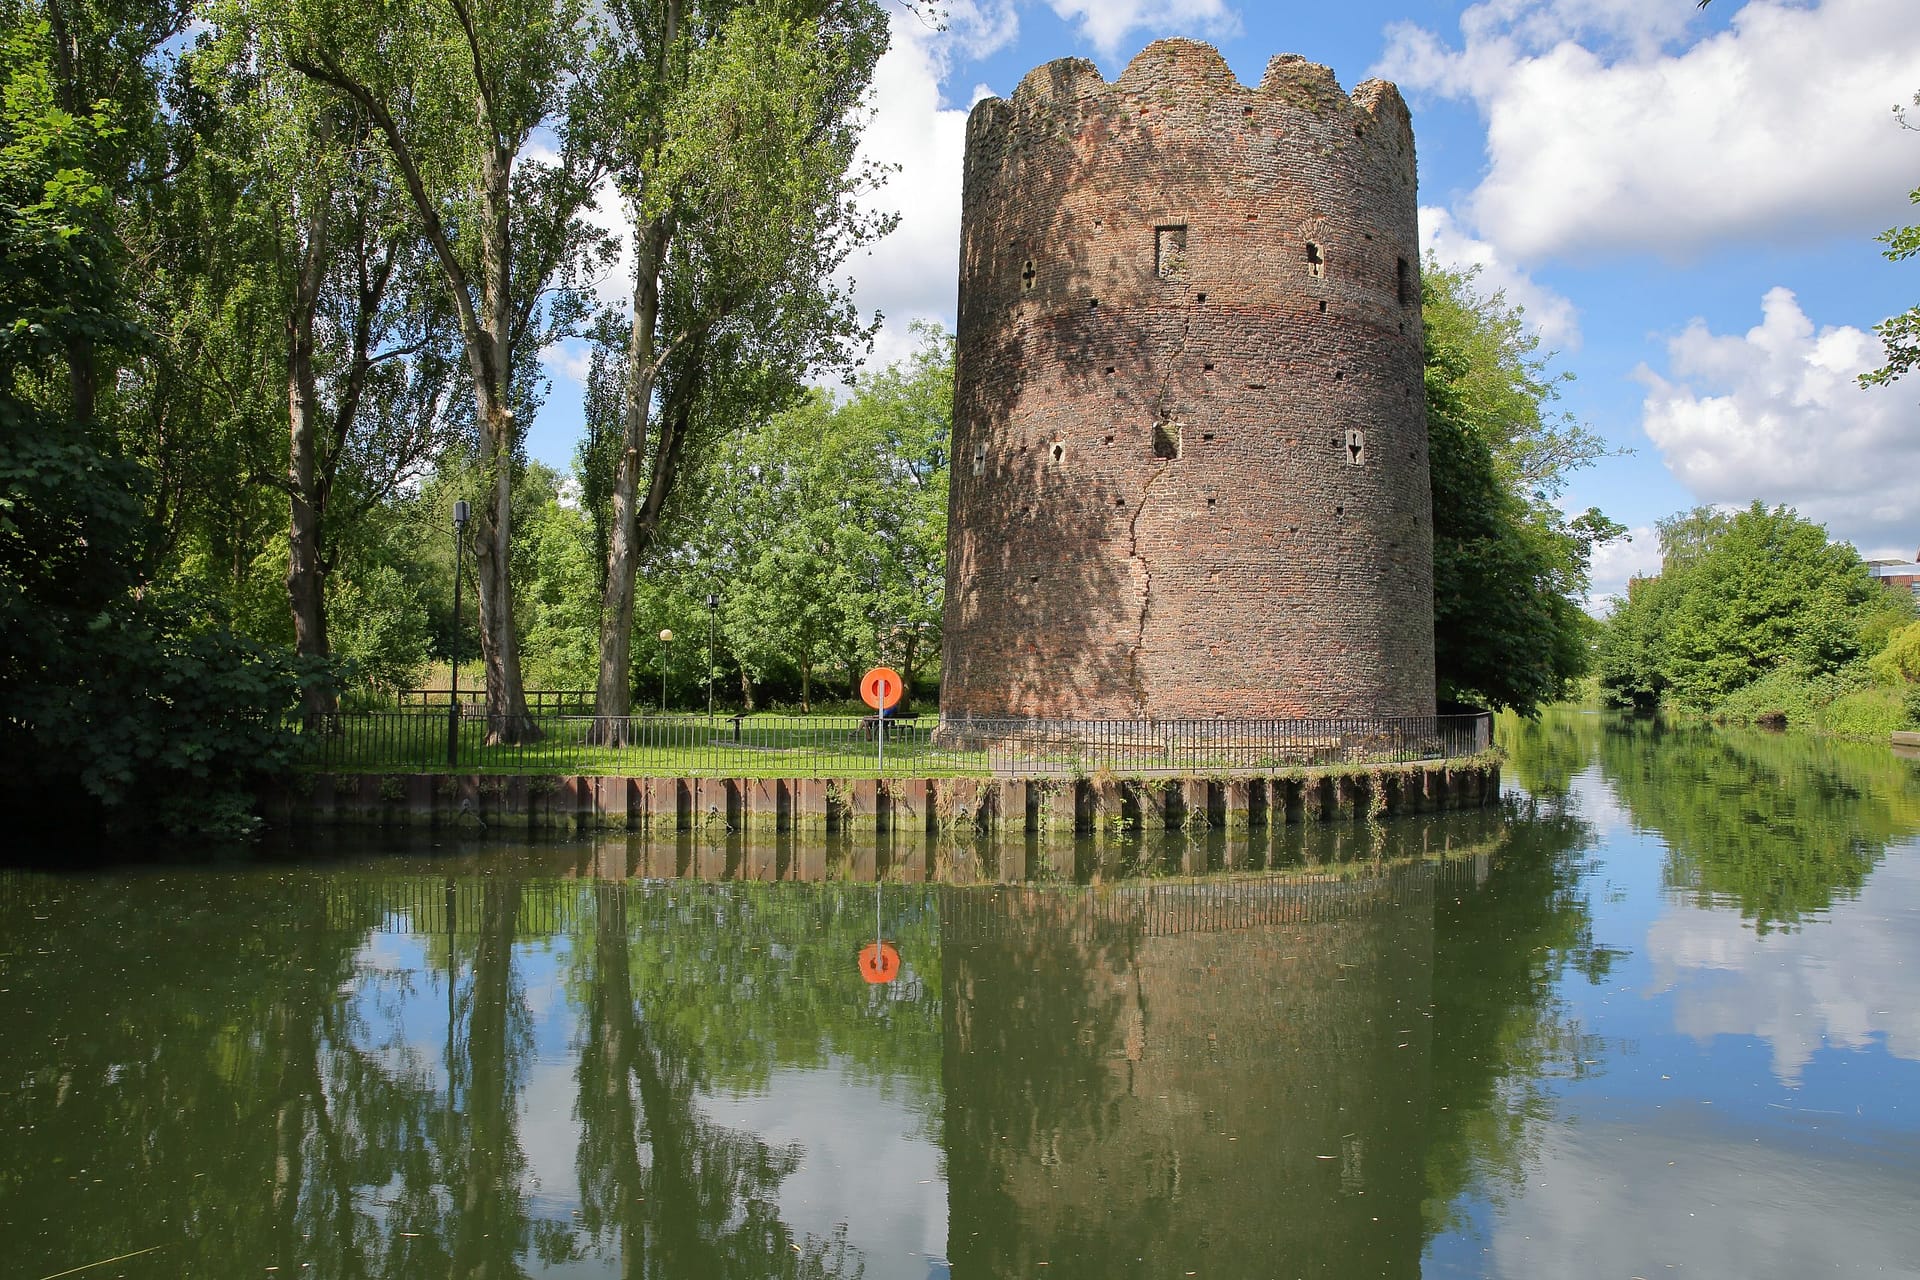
pixel 666 638
pixel 713 603
pixel 460 513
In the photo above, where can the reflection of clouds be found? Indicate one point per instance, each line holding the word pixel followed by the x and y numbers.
pixel 1598 803
pixel 865 1161
pixel 549 1131
pixel 1838 981
pixel 1693 1197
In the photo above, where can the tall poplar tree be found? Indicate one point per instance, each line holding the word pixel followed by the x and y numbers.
pixel 733 148
pixel 456 90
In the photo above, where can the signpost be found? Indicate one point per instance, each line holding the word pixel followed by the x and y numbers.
pixel 880 689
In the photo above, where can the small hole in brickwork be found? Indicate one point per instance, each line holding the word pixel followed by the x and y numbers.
pixel 1338 375
pixel 1246 111
pixel 1335 442
pixel 1293 528
pixel 1206 435
pixel 1207 367
pixel 1403 326
pixel 1027 512
pixel 1093 304
pixel 1109 368
pixel 1256 386
pixel 1033 577
pixel 1358 132
pixel 1059 450
pixel 1323 306
pixel 1109 439
pixel 1339 511
pixel 1316 261
pixel 1253 217
pixel 1119 502
pixel 1211 501
pixel 1200 297
pixel 1166 440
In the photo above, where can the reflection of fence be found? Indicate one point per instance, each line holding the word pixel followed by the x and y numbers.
pixel 827 746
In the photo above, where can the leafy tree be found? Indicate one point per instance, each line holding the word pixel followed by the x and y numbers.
pixel 1739 596
pixel 1899 660
pixel 828 526
pixel 1901 333
pixel 456 94
pixel 1509 568
pixel 126 690
pixel 733 144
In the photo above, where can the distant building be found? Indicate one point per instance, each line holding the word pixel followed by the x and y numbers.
pixel 1897 575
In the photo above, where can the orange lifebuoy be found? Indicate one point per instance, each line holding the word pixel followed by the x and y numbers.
pixel 881 688
pixel 879 962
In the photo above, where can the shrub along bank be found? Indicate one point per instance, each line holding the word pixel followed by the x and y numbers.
pixel 1756 618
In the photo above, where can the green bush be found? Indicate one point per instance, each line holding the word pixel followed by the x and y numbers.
pixel 1865 713
pixel 1782 692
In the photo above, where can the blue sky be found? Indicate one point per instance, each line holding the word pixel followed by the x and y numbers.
pixel 1685 203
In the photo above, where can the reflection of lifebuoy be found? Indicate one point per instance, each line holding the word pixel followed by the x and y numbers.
pixel 879 962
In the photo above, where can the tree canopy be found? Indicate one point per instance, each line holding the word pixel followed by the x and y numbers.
pixel 1509 567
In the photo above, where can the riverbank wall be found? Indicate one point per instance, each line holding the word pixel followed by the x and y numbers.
pixel 1006 805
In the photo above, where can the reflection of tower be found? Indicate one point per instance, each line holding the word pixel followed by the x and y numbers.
pixel 1189 431
pixel 1137 1079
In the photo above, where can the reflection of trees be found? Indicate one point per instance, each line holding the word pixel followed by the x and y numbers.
pixel 1780 824
pixel 187 1066
pixel 1545 752
pixel 1501 1032
pixel 692 987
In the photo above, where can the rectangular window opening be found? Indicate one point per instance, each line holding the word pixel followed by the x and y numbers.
pixel 1170 252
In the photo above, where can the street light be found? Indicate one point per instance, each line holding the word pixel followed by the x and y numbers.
pixel 460 514
pixel 713 603
pixel 666 638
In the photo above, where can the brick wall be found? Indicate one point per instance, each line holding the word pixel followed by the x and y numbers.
pixel 1178 296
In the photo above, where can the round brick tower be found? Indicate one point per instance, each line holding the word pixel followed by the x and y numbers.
pixel 1190 441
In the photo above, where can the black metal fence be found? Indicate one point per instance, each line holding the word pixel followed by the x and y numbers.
pixel 430 740
pixel 473 702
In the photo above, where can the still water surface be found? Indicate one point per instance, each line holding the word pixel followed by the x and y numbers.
pixel 1659 1016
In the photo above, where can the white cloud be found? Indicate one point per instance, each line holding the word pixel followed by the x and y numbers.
pixel 567 359
pixel 1776 415
pixel 1105 23
pixel 912 274
pixel 1548 314
pixel 1600 140
pixel 1618 562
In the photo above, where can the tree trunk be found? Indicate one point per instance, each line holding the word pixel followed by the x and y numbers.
pixel 306 583
pixel 507 718
pixel 746 692
pixel 613 690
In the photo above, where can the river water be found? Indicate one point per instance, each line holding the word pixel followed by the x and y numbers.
pixel 1660 1015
